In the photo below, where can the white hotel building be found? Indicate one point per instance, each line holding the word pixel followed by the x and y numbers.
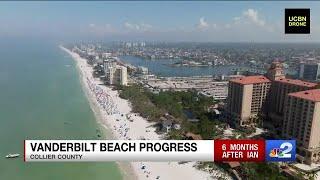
pixel 115 74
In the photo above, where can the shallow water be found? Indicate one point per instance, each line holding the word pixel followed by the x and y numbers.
pixel 41 98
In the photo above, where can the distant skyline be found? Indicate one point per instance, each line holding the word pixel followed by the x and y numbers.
pixel 155 21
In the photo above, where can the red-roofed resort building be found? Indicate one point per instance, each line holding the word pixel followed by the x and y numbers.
pixel 302 122
pixel 288 107
pixel 247 98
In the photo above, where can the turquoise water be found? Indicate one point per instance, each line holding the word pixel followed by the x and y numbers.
pixel 41 98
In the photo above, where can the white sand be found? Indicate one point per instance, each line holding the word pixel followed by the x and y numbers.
pixel 113 117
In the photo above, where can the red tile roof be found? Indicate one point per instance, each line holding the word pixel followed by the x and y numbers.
pixel 250 80
pixel 311 95
pixel 296 82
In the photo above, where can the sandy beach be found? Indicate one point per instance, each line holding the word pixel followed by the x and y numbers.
pixel 115 115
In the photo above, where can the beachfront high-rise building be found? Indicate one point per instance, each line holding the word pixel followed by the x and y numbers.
pixel 247 99
pixel 280 88
pixel 123 76
pixel 109 66
pixel 115 74
pixel 301 122
pixel 292 108
pixel 310 71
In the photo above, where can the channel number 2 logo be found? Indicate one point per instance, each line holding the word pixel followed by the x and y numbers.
pixel 284 151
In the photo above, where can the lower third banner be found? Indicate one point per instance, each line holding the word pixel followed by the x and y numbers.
pixel 159 150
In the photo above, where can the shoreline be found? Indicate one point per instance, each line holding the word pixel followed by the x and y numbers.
pixel 125 168
pixel 114 114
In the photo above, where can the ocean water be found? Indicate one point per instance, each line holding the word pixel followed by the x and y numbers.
pixel 41 98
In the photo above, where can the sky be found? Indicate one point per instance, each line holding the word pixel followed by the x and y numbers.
pixel 204 21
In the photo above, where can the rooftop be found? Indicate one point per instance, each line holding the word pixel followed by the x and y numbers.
pixel 297 82
pixel 311 95
pixel 233 164
pixel 250 80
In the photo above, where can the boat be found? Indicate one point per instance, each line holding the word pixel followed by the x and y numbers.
pixel 12 155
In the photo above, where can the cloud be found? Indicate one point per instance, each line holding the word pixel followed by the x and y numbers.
pixel 236 19
pixel 252 15
pixel 103 29
pixel 131 26
pixel 137 27
pixel 227 26
pixel 144 26
pixel 249 24
pixel 203 24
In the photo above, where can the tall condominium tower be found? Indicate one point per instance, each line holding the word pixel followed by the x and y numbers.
pixel 302 123
pixel 247 99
